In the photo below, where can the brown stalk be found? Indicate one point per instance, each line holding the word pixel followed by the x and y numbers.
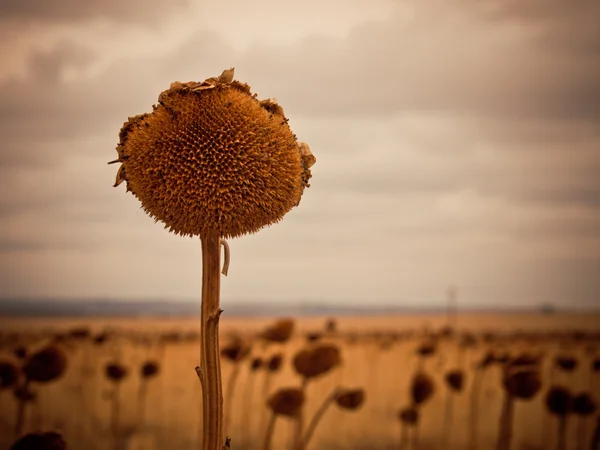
pixel 546 436
pixel 455 381
pixel 562 433
pixel 286 402
pixel 148 370
pixel 297 443
pixel 559 403
pixel 272 366
pixel 116 374
pixel 447 419
pixel 506 420
pixel 521 380
pixel 265 394
pixel 22 403
pixel 317 417
pixel 255 365
pixel 404 442
pixel 595 443
pixel 415 437
pixel 581 433
pixel 229 394
pixel 142 393
pixel 474 408
pixel 115 413
pixel 409 421
pixel 584 406
pixel 269 431
pixel 210 367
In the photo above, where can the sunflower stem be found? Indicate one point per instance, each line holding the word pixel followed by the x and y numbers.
pixel 318 416
pixel 269 432
pixel 212 393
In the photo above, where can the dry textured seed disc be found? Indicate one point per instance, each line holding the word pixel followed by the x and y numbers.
pixel 350 398
pixel 115 372
pixel 316 361
pixel 522 384
pixel 281 331
pixel 149 369
pixel 409 415
pixel 275 362
pixel 455 379
pixel 422 388
pixel 559 401
pixel 286 401
pixel 48 364
pixel 40 441
pixel 9 374
pixel 211 158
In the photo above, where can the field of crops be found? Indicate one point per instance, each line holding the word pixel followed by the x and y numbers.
pixel 407 382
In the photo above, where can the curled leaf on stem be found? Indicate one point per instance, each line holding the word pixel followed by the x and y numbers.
pixel 226 257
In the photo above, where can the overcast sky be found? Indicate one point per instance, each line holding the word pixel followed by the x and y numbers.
pixel 457 142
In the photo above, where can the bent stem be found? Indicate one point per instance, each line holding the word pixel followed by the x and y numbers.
pixel 317 417
pixel 473 413
pixel 22 403
pixel 269 432
pixel 210 367
pixel 297 442
pixel 115 414
pixel 403 436
pixel 229 394
pixel 506 422
pixel 581 433
pixel 562 432
pixel 447 419
pixel 595 444
pixel 247 408
pixel 265 394
pixel 142 392
pixel 414 441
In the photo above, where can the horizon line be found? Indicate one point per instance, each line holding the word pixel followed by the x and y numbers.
pixel 323 303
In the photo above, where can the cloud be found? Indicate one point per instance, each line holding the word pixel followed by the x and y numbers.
pixel 73 10
pixel 453 144
pixel 488 72
pixel 566 25
pixel 456 61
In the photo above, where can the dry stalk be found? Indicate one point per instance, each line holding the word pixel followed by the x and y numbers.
pixel 231 382
pixel 506 421
pixel 201 181
pixel 317 418
pixel 269 431
pixel 209 371
pixel 22 400
pixel 115 414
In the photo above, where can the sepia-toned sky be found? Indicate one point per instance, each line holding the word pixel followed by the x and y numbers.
pixel 457 142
